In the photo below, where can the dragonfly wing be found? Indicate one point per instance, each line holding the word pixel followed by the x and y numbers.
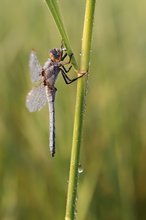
pixel 34 66
pixel 36 98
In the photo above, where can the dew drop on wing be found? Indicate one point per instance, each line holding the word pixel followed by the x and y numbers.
pixel 36 98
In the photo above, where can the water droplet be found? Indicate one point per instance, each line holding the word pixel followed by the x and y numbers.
pixel 64 49
pixel 82 54
pixel 75 214
pixel 80 169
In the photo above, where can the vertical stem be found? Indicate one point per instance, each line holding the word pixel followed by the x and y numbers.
pixel 79 109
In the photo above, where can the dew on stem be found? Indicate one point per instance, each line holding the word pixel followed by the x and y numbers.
pixel 80 169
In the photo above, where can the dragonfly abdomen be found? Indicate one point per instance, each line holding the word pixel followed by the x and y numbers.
pixel 50 93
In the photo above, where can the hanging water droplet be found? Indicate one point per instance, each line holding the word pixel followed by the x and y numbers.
pixel 80 169
pixel 75 214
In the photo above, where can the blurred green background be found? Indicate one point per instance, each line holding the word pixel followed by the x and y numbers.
pixel 113 185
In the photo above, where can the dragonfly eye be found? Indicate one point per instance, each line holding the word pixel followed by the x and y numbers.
pixel 55 54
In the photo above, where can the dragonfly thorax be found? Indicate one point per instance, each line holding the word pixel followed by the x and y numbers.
pixel 50 72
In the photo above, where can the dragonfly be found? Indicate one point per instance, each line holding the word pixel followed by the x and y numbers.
pixel 44 92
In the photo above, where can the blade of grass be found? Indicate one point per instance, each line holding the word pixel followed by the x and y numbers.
pixel 54 9
pixel 79 109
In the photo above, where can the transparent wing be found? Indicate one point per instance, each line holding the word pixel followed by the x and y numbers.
pixel 35 67
pixel 36 98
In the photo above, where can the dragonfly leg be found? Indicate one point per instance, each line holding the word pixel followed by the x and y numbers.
pixel 64 49
pixel 68 62
pixel 67 79
pixel 64 77
pixel 64 56
pixel 66 70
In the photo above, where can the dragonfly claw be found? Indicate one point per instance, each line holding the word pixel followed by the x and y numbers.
pixel 80 73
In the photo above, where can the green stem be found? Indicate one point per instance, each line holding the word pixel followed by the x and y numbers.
pixel 79 109
pixel 54 8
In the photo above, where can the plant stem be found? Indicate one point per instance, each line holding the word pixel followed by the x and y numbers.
pixel 79 109
pixel 54 8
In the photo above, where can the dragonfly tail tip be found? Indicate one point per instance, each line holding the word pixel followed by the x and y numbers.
pixel 53 153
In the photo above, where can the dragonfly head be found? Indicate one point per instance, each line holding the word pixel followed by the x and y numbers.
pixel 56 55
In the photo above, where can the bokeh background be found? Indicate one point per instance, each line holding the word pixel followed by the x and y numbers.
pixel 33 186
